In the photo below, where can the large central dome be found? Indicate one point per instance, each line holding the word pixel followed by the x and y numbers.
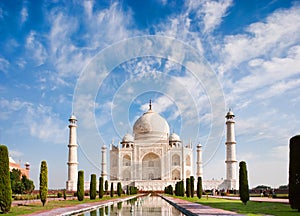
pixel 151 125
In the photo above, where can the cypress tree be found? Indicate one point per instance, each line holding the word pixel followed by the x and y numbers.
pixel 43 182
pixel 243 183
pixel 5 186
pixel 64 194
pixel 188 187
pixel 93 190
pixel 101 191
pixel 112 189
pixel 294 173
pixel 80 185
pixel 192 179
pixel 119 188
pixel 181 188
pixel 106 186
pixel 199 187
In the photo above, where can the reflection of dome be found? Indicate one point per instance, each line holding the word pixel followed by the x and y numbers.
pixel 151 125
pixel 127 138
pixel 174 137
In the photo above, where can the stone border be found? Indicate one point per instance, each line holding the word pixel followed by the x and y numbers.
pixel 94 207
pixel 193 209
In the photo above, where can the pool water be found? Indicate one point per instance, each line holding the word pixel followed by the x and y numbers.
pixel 142 206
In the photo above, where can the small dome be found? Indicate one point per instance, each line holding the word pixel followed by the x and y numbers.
pixel 127 138
pixel 72 117
pixel 174 137
pixel 229 114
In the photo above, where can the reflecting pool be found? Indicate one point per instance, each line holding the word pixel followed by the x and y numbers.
pixel 147 205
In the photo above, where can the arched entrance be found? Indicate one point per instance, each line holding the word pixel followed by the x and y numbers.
pixel 151 167
pixel 175 174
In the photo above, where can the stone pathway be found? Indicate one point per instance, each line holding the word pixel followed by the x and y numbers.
pixel 81 207
pixel 190 208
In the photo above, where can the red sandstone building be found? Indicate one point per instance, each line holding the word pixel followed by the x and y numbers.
pixel 14 165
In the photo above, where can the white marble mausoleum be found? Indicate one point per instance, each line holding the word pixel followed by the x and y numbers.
pixel 152 158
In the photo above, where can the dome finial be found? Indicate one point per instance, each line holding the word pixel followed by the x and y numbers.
pixel 150 105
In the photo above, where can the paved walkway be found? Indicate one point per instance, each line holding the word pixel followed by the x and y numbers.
pixel 190 208
pixel 256 199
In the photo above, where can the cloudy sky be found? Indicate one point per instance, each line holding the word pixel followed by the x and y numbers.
pixel 104 61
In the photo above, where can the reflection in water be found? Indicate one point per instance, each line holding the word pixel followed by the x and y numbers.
pixel 148 206
pixel 93 213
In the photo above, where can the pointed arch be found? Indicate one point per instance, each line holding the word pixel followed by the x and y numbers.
pixel 175 160
pixel 175 174
pixel 151 167
pixel 126 160
pixel 188 161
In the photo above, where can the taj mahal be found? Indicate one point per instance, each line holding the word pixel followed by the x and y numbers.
pixel 152 158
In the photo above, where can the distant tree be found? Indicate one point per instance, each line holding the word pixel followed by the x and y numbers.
pixel 188 187
pixel 65 194
pixel 20 185
pixel 93 190
pixel 43 182
pixel 199 187
pixel 127 190
pixel 294 173
pixel 101 191
pixel 15 179
pixel 119 189
pixel 28 184
pixel 192 179
pixel 112 189
pixel 106 186
pixel 169 190
pixel 243 183
pixel 80 185
pixel 283 187
pixel 5 186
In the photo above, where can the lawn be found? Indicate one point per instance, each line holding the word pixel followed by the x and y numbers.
pixel 33 207
pixel 252 208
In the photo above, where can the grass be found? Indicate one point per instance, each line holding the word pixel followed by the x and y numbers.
pixel 252 208
pixel 34 207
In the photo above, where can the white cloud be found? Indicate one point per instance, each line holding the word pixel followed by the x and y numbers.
pixel 24 15
pixel 8 107
pixel 269 72
pixel 46 125
pixel 279 88
pixel 39 120
pixel 280 152
pixel 279 31
pixel 213 12
pixel 4 64
pixel 35 49
pixel 15 153
pixel 88 8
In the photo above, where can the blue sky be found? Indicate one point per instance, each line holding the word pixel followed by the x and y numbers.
pixel 251 48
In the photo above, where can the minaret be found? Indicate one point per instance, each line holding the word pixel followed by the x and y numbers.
pixel 72 162
pixel 231 161
pixel 199 161
pixel 103 164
